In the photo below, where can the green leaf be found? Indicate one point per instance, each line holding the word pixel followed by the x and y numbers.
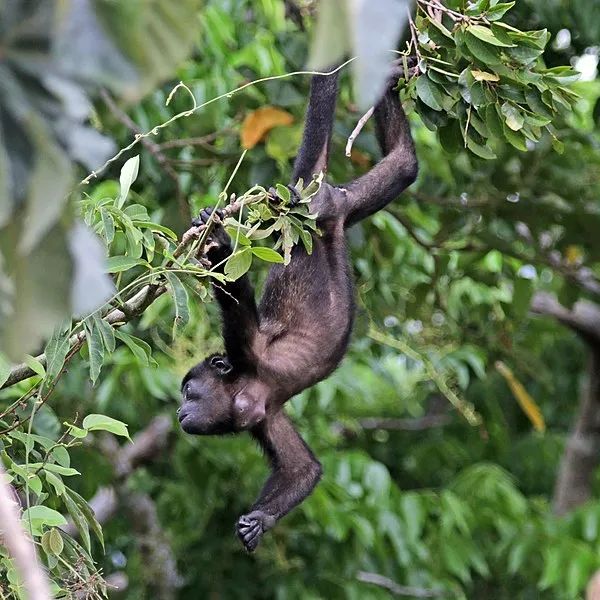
pixel 139 348
pixel 516 139
pixel 52 542
pixel 283 142
pixel 156 227
pixel 238 263
pixel 498 11
pixel 537 106
pixel 39 516
pixel 440 27
pixel 61 455
pixel 96 422
pixel 95 349
pixel 492 261
pixel 512 117
pixel 60 470
pixel 117 264
pixel 283 192
pixel 307 240
pixel 88 514
pixel 5 369
pixel 108 225
pixel 180 300
pixel 56 482
pixel 558 146
pixel 451 137
pixel 129 174
pixel 106 331
pixel 57 348
pixel 486 35
pixel 522 293
pixel 493 122
pixel 479 150
pixel 78 519
pixel 429 93
pixel 481 51
pixel 35 365
pixel 268 255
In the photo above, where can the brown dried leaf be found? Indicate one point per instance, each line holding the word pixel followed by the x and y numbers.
pixel 259 122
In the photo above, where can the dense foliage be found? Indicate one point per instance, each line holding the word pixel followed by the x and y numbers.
pixel 442 431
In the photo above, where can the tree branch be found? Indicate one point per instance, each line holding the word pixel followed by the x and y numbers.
pixel 583 318
pixel 581 457
pixel 395 588
pixel 134 307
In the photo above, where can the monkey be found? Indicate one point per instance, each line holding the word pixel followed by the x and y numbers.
pixel 300 331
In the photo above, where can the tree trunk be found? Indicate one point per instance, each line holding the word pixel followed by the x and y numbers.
pixel 582 453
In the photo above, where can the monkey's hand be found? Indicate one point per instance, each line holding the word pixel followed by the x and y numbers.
pixel 294 195
pixel 218 237
pixel 397 70
pixel 251 527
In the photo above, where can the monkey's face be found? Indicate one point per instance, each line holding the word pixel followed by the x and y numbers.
pixel 207 400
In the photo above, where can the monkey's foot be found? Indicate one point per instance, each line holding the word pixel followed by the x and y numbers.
pixel 204 216
pixel 251 527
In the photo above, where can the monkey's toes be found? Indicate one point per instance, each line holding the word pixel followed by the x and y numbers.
pixel 205 215
pixel 249 531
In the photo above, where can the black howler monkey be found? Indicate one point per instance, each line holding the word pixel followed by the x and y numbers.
pixel 299 332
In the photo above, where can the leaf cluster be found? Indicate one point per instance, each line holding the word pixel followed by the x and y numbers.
pixel 481 81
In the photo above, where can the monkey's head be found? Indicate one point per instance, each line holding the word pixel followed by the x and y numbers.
pixel 217 400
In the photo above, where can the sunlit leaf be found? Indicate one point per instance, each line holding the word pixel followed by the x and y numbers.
pixel 526 402
pixel 129 174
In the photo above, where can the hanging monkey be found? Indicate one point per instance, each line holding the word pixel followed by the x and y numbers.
pixel 299 332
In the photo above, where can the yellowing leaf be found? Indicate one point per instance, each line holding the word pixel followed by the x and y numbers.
pixel 259 122
pixel 484 76
pixel 573 254
pixel 526 402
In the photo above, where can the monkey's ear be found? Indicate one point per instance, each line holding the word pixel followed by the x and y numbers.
pixel 249 407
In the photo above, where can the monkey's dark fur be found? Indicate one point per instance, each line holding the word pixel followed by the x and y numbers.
pixel 299 333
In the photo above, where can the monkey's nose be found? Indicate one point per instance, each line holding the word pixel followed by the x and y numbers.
pixel 178 411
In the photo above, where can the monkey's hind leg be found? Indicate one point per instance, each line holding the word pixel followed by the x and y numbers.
pixel 295 474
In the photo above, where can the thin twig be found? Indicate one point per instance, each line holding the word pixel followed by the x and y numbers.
pixel 150 145
pixel 203 141
pixel 355 132
pixel 411 72
pixel 196 107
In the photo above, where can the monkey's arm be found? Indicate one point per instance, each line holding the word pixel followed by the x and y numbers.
pixel 314 150
pixel 295 473
pixel 236 300
pixel 394 172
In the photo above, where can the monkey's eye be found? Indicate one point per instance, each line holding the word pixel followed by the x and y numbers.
pixel 221 364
